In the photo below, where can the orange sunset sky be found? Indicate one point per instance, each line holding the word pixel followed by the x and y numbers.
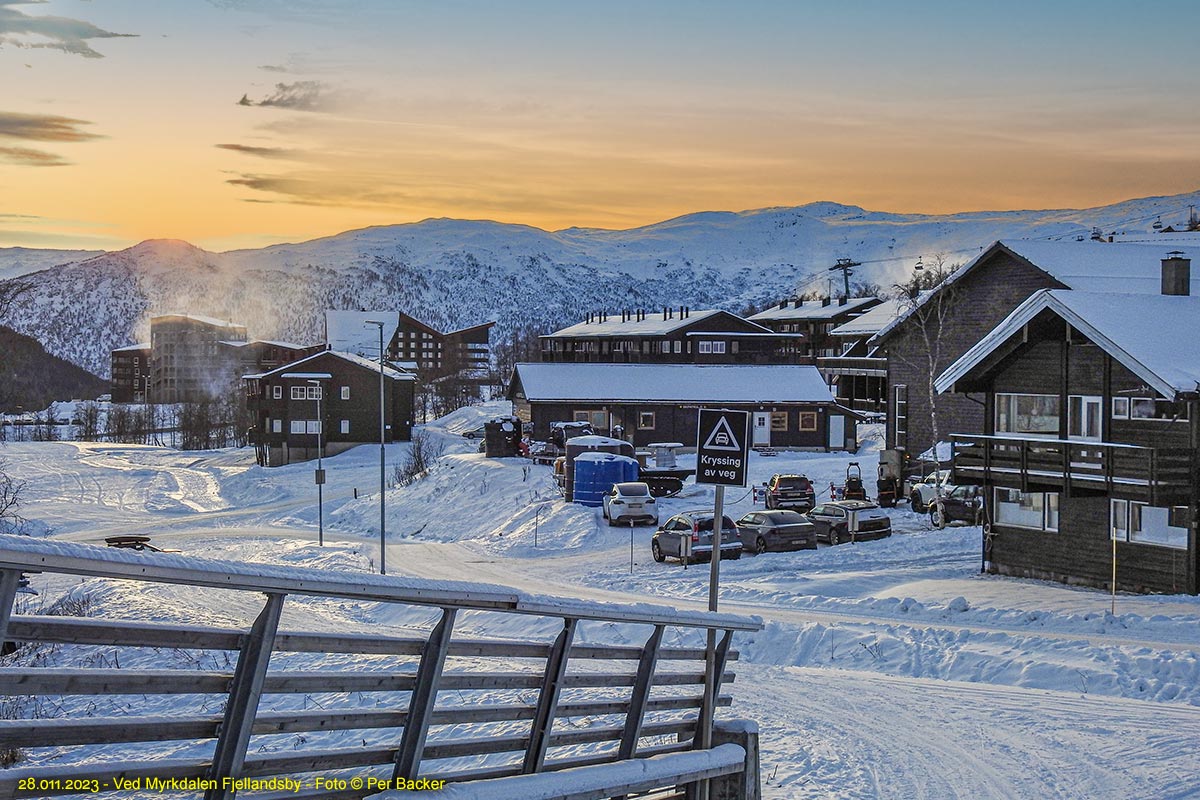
pixel 239 123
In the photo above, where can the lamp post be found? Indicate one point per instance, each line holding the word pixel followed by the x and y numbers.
pixel 382 486
pixel 320 470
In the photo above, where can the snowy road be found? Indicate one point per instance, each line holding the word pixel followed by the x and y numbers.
pixel 885 669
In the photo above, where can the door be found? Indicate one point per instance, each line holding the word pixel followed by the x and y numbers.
pixel 762 429
pixel 1083 417
pixel 837 432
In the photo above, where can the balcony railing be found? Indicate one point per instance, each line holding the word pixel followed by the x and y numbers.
pixel 853 365
pixel 1156 475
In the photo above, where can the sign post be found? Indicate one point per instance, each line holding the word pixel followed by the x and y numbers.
pixel 722 453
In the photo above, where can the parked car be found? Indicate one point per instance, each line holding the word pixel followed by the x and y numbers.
pixel 475 433
pixel 629 502
pixel 841 521
pixel 763 531
pixel 791 491
pixel 697 528
pixel 961 504
pixel 922 491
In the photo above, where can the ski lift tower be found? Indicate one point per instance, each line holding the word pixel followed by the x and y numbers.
pixel 846 265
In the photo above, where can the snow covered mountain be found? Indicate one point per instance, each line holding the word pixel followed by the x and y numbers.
pixel 454 273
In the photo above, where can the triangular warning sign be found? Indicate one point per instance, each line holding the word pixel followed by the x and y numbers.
pixel 721 438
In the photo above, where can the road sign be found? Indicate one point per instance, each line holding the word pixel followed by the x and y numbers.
pixel 319 475
pixel 722 447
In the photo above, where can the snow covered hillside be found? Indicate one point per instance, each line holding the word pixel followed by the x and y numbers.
pixel 885 669
pixel 455 273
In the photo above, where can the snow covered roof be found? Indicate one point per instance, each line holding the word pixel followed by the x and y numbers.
pixel 652 324
pixel 390 372
pixel 288 345
pixel 813 309
pixel 216 323
pixel 128 347
pixel 348 332
pixel 1156 337
pixel 669 383
pixel 1127 267
pixel 873 320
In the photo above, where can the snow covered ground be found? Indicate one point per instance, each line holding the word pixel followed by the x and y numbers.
pixel 885 669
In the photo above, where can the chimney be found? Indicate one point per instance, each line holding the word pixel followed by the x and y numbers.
pixel 825 301
pixel 843 300
pixel 687 312
pixel 797 303
pixel 783 303
pixel 1176 274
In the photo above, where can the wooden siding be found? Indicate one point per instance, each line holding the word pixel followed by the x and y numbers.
pixel 986 296
pixel 1081 553
pixel 677 423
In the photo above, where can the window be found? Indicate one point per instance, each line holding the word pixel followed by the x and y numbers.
pixel 1131 521
pixel 1083 417
pixel 345 426
pixel 1036 511
pixel 718 347
pixel 315 393
pixel 1150 408
pixel 276 426
pixel 733 347
pixel 678 346
pixel 277 392
pixel 299 393
pixel 345 392
pixel 1027 413
pixel 1120 408
pixel 296 426
pixel 900 415
pixel 597 419
pixel 779 420
pixel 808 421
pixel 706 347
pixel 312 426
pixel 646 420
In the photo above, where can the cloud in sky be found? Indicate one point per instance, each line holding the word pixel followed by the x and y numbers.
pixel 18 29
pixel 298 96
pixel 38 128
pixel 43 128
pixel 262 152
pixel 29 157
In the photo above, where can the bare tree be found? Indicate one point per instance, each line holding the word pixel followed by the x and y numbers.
pixel 10 501
pixel 423 453
pixel 929 301
pixel 89 422
pixel 9 292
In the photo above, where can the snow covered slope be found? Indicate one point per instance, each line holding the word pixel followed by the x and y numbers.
pixel 455 273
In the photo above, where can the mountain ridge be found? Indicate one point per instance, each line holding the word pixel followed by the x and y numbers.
pixel 454 273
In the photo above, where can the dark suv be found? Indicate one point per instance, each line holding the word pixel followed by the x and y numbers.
pixel 697 528
pixel 791 491
pixel 850 520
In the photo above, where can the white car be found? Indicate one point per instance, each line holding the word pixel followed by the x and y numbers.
pixel 630 502
pixel 922 492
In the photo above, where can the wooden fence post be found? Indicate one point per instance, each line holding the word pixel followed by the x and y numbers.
pixel 424 697
pixel 244 694
pixel 641 692
pixel 543 720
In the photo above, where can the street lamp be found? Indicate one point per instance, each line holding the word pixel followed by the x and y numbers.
pixel 382 485
pixel 320 470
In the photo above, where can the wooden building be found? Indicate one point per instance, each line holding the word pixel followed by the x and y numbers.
pixel 815 320
pixel 672 336
pixel 1090 442
pixel 284 404
pixel 642 403
pixel 857 375
pixel 130 382
pixel 435 353
pixel 187 361
pixel 976 298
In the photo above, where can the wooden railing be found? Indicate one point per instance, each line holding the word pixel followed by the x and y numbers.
pixel 153 701
pixel 853 365
pixel 1152 474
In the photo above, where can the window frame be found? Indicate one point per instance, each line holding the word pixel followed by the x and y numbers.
pixel 345 392
pixel 641 420
pixel 298 392
pixel 277 392
pixel 807 428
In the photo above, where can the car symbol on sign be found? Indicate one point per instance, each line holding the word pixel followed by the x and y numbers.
pixel 721 438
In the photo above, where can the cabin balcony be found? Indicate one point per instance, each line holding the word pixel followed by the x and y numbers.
pixel 853 365
pixel 1155 475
